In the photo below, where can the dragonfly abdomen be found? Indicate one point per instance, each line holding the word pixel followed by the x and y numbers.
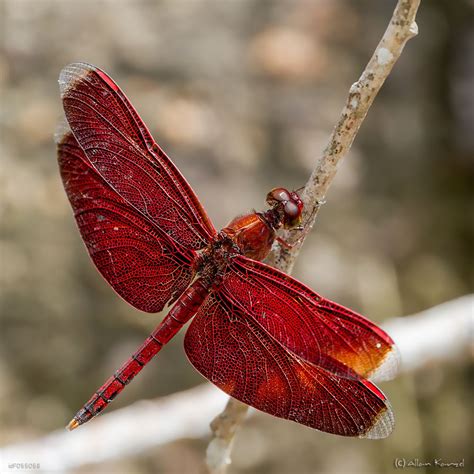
pixel 182 311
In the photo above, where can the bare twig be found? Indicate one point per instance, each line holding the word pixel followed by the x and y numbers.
pixel 127 432
pixel 362 93
pixel 223 428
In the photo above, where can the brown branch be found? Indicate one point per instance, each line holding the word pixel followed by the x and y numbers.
pixel 362 93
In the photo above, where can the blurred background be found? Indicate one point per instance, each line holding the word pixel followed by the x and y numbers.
pixel 243 95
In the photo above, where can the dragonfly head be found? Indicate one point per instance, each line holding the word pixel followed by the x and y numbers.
pixel 287 204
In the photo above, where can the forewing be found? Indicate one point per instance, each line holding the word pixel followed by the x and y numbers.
pixel 140 261
pixel 309 325
pixel 236 353
pixel 119 146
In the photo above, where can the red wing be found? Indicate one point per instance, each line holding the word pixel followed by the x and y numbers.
pixel 310 326
pixel 119 146
pixel 138 259
pixel 234 352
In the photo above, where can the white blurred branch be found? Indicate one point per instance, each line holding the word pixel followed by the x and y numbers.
pixel 435 336
pixel 121 433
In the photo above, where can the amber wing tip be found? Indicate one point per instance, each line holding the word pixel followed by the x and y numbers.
pixel 73 424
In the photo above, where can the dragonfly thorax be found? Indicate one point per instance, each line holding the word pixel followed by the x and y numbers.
pixel 251 234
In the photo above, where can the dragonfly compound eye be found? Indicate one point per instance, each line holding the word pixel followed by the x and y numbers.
pixel 277 195
pixel 291 209
pixel 292 215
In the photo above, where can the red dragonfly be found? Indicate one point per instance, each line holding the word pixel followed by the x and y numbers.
pixel 259 335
